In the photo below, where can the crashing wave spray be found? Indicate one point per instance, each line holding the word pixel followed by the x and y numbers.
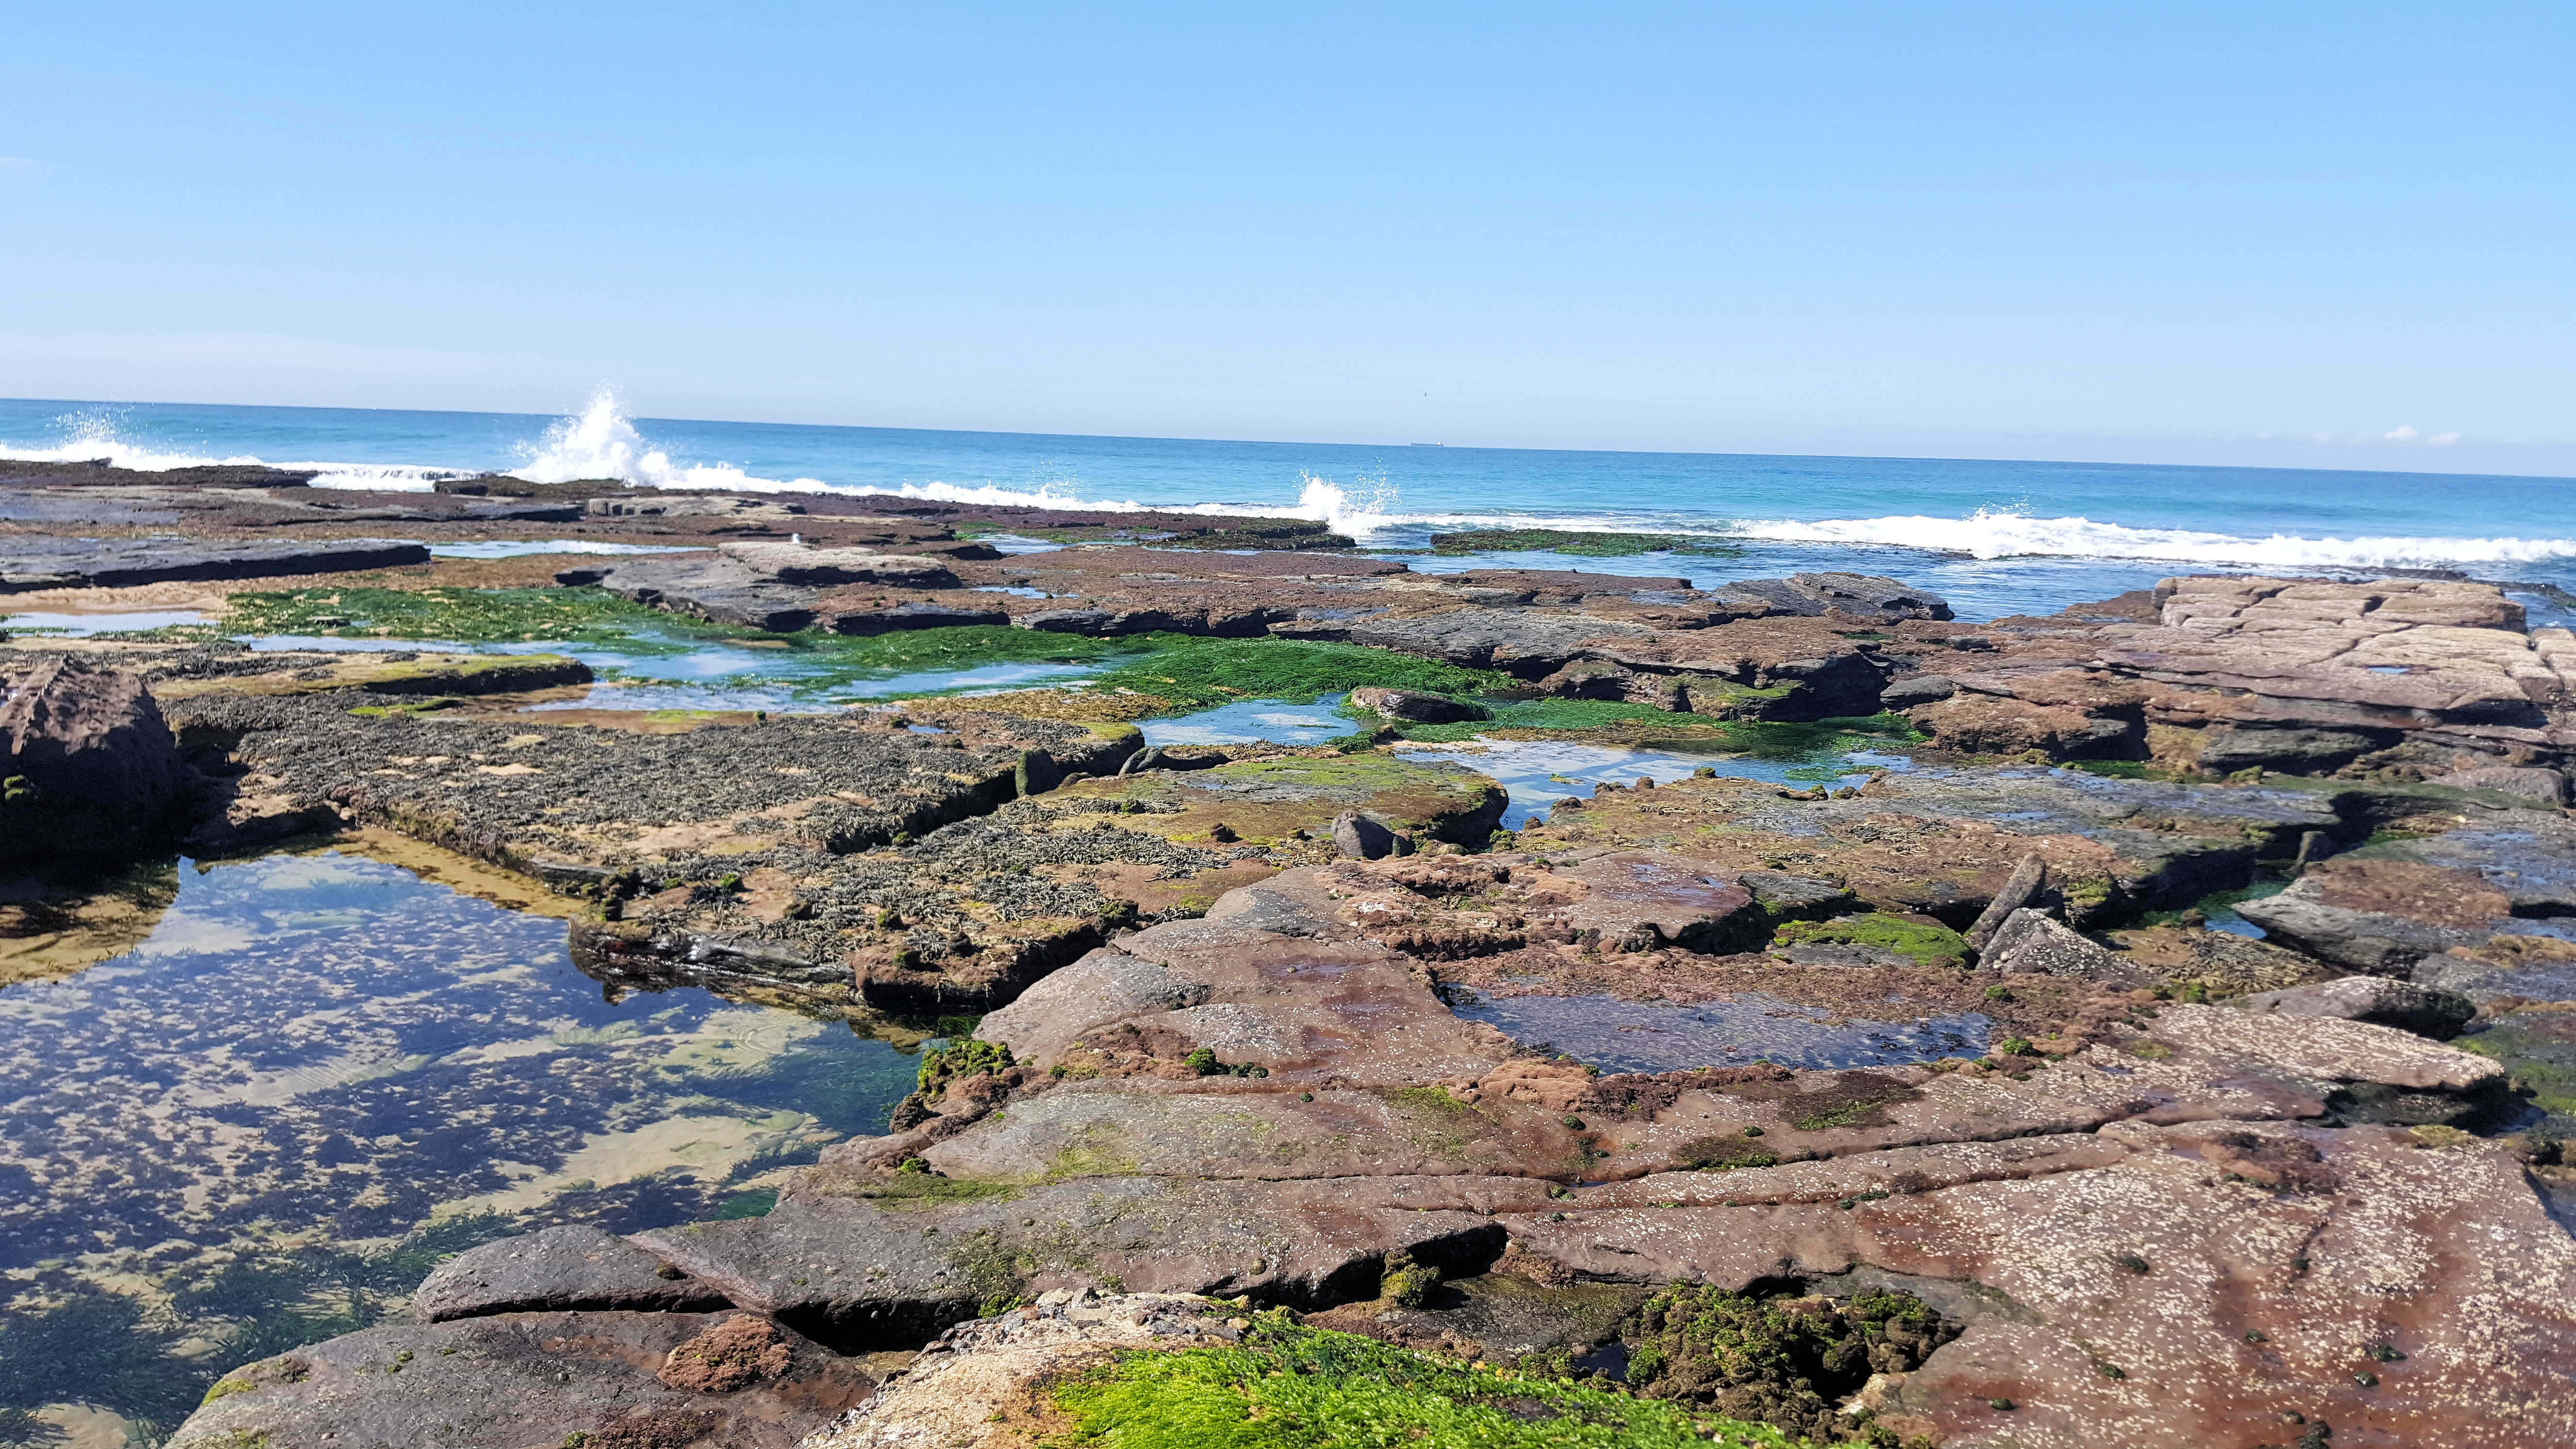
pixel 1364 507
pixel 602 443
pixel 2001 533
pixel 93 434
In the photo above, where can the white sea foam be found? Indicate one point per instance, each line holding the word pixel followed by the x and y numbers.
pixel 92 436
pixel 2001 534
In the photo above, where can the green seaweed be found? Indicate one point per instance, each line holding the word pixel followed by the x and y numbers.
pixel 754 1203
pixel 1289 1387
pixel 1784 1364
pixel 1195 673
pixel 1928 944
pixel 470 616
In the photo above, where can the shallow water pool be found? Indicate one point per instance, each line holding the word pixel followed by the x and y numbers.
pixel 234 1137
pixel 1538 773
pixel 1250 721
pixel 1617 1035
pixel 83 625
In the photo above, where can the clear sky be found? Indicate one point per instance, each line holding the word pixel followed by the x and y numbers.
pixel 2332 235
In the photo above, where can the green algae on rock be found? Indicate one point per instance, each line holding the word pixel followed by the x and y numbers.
pixel 1293 1386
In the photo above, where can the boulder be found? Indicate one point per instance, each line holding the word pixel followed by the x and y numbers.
pixel 2030 943
pixel 554 1270
pixel 810 567
pixel 2424 1010
pixel 1920 689
pixel 2030 873
pixel 519 1379
pixel 1358 837
pixel 1414 706
pixel 2226 750
pixel 2549 787
pixel 1644 900
pixel 2379 914
pixel 90 767
pixel 1865 595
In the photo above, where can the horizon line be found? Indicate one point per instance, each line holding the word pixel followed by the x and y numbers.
pixel 1328 443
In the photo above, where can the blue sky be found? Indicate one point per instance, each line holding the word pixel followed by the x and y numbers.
pixel 2330 235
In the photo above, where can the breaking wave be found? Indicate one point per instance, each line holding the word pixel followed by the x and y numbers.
pixel 1990 533
pixel 602 443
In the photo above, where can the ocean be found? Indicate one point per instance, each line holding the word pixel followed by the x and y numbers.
pixel 1993 537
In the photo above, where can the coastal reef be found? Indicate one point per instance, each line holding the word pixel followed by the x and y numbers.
pixel 2145 1024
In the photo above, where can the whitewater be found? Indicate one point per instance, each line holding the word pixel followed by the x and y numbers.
pixel 2010 534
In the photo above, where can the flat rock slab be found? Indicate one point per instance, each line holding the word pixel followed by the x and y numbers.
pixel 849 1258
pixel 520 1380
pixel 1306 1009
pixel 1894 1170
pixel 1270 801
pixel 2424 1010
pixel 117 563
pixel 2226 1271
pixel 2325 1049
pixel 1811 1115
pixel 595 796
pixel 1945 841
pixel 396 672
pixel 557 1269
pixel 1244 1130
pixel 2385 907
pixel 2231 672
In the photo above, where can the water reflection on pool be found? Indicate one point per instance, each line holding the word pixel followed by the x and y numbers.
pixel 717 675
pixel 1253 719
pixel 1538 773
pixel 1651 1036
pixel 313 1056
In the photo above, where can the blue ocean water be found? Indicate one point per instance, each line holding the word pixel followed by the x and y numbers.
pixel 1993 537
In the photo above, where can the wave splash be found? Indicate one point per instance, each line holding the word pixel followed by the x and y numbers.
pixel 92 436
pixel 600 442
pixel 2003 533
pixel 1363 508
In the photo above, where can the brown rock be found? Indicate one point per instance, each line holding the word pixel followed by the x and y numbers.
pixel 734 1354
pixel 91 769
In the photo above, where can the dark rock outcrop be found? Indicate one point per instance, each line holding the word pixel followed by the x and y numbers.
pixel 52 563
pixel 91 767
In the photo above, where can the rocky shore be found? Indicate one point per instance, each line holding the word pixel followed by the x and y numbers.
pixel 1915 1103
